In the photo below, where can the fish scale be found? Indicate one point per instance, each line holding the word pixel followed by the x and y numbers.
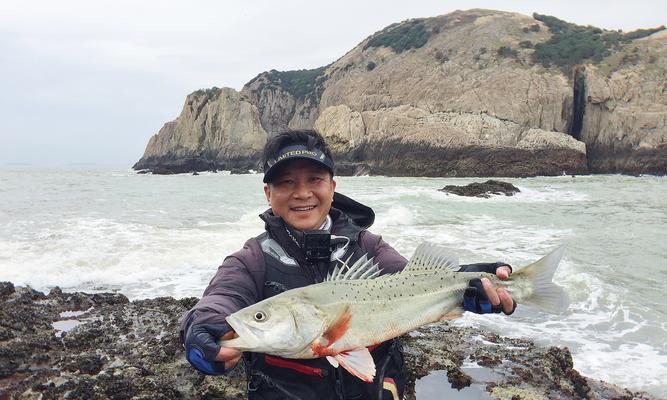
pixel 356 307
pixel 422 298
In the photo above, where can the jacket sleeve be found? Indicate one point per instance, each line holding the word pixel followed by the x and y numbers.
pixel 387 257
pixel 484 267
pixel 237 284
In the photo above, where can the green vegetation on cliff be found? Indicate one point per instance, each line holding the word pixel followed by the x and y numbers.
pixel 401 37
pixel 302 84
pixel 573 44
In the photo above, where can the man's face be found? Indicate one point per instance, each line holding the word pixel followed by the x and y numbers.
pixel 301 193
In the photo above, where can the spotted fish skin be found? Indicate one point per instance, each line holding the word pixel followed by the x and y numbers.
pixel 358 307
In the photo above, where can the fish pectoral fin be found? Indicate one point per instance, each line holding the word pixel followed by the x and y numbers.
pixel 359 363
pixel 332 361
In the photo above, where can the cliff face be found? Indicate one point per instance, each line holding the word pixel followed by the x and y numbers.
pixel 462 94
pixel 286 100
pixel 454 106
pixel 217 129
pixel 625 119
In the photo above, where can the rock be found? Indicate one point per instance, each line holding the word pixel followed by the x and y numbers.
pixel 456 106
pixel 161 170
pixel 625 115
pixel 195 173
pixel 352 169
pixel 485 189
pixel 276 105
pixel 6 288
pixel 124 349
pixel 217 129
pixel 239 171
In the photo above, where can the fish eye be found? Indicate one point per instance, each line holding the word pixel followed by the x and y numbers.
pixel 260 316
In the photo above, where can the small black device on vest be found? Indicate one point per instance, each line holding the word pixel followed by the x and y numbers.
pixel 317 246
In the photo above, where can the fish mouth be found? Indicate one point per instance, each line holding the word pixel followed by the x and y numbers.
pixel 246 338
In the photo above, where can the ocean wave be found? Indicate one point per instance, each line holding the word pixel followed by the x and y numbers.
pixel 136 258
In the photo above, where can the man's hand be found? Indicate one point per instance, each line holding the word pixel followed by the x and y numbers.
pixel 482 296
pixel 499 296
pixel 228 355
pixel 203 351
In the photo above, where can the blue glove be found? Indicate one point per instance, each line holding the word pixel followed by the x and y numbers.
pixel 201 347
pixel 475 298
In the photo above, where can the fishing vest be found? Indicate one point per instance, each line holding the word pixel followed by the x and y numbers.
pixel 272 378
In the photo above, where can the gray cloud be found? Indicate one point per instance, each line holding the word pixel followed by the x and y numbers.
pixel 92 81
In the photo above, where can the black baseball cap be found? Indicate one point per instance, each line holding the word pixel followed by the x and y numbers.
pixel 294 152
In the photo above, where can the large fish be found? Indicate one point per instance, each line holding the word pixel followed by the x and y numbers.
pixel 356 307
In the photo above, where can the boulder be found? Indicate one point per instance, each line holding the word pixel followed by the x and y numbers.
pixel 484 189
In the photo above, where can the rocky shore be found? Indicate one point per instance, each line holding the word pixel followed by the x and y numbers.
pixel 102 346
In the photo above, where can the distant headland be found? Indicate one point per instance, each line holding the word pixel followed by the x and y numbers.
pixel 470 93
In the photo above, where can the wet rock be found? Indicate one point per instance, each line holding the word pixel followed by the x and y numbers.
pixel 122 350
pixel 239 171
pixel 89 364
pixel 344 168
pixel 485 189
pixel 6 288
pixel 458 378
pixel 164 171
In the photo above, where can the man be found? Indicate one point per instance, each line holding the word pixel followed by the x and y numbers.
pixel 300 190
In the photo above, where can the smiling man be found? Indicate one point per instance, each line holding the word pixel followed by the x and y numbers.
pixel 301 193
pixel 308 228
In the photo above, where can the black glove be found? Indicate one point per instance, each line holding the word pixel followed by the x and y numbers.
pixel 484 267
pixel 201 346
pixel 475 298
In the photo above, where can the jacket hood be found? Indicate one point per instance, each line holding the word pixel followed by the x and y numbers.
pixel 361 215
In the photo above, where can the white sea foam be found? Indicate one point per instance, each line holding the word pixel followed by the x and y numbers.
pixel 141 260
pixel 148 236
pixel 549 195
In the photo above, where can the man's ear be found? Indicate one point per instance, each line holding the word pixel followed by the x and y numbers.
pixel 333 182
pixel 267 193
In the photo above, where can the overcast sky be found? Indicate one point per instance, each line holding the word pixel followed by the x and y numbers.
pixel 90 81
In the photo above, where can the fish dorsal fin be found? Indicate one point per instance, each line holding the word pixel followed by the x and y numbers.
pixel 428 257
pixel 363 268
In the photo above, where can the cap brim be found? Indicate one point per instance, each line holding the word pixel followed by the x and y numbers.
pixel 275 168
pixel 296 152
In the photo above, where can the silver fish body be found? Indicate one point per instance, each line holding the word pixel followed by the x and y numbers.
pixel 356 308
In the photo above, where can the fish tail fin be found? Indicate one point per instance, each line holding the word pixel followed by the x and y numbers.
pixel 545 294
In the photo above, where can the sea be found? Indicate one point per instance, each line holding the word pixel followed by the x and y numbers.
pixel 90 228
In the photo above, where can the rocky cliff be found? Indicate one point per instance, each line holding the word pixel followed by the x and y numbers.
pixel 475 92
pixel 625 116
pixel 217 129
pixel 102 346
